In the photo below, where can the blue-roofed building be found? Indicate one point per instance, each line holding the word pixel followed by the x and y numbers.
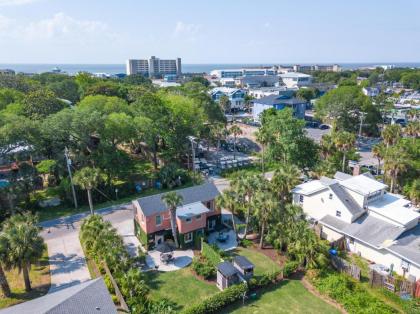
pixel 279 102
pixel 236 96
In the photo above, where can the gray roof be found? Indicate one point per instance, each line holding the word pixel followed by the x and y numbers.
pixel 272 100
pixel 368 229
pixel 243 262
pixel 346 199
pixel 340 176
pixel 200 193
pixel 91 297
pixel 191 210
pixel 226 269
pixel 408 245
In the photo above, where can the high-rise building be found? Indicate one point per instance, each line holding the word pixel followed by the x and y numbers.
pixel 154 67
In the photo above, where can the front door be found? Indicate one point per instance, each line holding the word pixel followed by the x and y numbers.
pixel 158 239
pixel 211 223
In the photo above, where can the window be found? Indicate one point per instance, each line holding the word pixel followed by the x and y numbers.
pixel 208 205
pixel 198 217
pixel 351 240
pixel 188 220
pixel 158 220
pixel 338 213
pixel 301 197
pixel 331 196
pixel 188 237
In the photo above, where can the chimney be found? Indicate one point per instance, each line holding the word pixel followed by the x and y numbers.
pixel 356 170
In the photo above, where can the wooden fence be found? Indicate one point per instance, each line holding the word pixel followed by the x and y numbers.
pixel 343 266
pixel 392 284
pixel 118 293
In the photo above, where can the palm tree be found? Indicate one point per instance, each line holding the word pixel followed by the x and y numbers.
pixel 88 178
pixel 4 249
pixel 262 139
pixel 285 178
pixel 25 244
pixel 228 201
pixel 391 134
pixel 344 141
pixel 172 200
pixel 265 205
pixel 235 130
pixel 412 114
pixel 413 130
pixel 378 151
pixel 395 163
pixel 327 146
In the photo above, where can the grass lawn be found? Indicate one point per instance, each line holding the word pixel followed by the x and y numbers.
pixel 288 296
pixel 40 279
pixel 180 287
pixel 263 264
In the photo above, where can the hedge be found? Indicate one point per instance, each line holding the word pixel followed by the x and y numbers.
pixel 289 268
pixel 210 254
pixel 218 301
pixel 264 280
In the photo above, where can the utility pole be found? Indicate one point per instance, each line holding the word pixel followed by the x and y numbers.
pixel 68 162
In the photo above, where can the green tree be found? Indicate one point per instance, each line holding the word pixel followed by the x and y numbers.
pixel 88 178
pixel 25 244
pixel 4 250
pixel 41 103
pixel 66 89
pixel 344 141
pixel 9 96
pixel 285 178
pixel 266 204
pixel 225 104
pixel 395 163
pixel 306 93
pixel 172 201
pixel 235 131
pixel 378 151
pixel 391 134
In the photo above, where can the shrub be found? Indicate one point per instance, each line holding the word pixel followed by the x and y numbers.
pixel 203 267
pixel 246 243
pixel 289 268
pixel 210 253
pixel 264 280
pixel 218 301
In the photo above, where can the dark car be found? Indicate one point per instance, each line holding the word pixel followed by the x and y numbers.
pixel 324 127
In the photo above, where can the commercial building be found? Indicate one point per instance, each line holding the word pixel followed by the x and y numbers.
pixel 234 73
pixel 316 67
pixel 371 222
pixel 278 102
pixel 295 79
pixel 154 67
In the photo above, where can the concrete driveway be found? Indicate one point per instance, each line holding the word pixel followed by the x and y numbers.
pixel 67 260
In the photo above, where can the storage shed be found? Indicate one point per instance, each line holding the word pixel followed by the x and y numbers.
pixel 227 275
pixel 244 266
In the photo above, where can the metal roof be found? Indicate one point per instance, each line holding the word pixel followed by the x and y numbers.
pixel 153 204
pixel 408 245
pixel 191 210
pixel 226 269
pixel 85 298
pixel 243 262
pixel 346 199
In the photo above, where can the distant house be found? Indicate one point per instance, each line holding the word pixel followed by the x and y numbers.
pixel 196 215
pixel 7 72
pixel 88 297
pixel 236 96
pixel 371 91
pixel 278 102
pixel 261 92
pixel 358 211
pixel 295 79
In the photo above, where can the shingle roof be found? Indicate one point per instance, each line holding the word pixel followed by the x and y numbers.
pixel 243 262
pixel 408 245
pixel 191 210
pixel 200 193
pixel 340 176
pixel 371 230
pixel 226 269
pixel 272 100
pixel 346 199
pixel 91 297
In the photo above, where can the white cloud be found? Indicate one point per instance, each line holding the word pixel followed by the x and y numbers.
pixel 186 31
pixel 15 2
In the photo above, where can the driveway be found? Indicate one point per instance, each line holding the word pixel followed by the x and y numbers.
pixel 67 260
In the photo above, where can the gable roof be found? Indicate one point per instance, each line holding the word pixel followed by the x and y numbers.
pixel 153 204
pixel 408 245
pixel 85 298
pixel 363 184
pixel 346 199
pixel 226 269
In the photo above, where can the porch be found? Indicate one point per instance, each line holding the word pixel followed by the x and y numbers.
pixel 179 259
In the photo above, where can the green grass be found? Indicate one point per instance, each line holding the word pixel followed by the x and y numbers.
pixel 180 287
pixel 288 296
pixel 263 264
pixel 62 211
pixel 40 279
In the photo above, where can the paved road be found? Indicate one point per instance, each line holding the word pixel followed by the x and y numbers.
pixel 66 257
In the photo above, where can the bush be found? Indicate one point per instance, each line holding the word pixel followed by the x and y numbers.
pixel 264 280
pixel 218 301
pixel 289 268
pixel 246 243
pixel 203 267
pixel 210 253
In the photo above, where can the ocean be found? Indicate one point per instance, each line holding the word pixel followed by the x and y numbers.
pixel 186 68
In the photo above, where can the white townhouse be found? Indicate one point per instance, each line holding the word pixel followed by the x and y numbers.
pixel 379 226
pixel 295 79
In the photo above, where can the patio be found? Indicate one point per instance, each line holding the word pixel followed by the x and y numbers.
pixel 180 259
pixel 225 240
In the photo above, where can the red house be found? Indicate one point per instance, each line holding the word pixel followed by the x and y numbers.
pixel 198 214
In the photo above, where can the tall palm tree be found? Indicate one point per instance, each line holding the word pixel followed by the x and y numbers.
pixel 395 162
pixel 172 200
pixel 88 178
pixel 285 178
pixel 378 151
pixel 262 139
pixel 266 203
pixel 228 201
pixel 413 130
pixel 4 249
pixel 25 243
pixel 344 141
pixel 327 146
pixel 235 130
pixel 391 134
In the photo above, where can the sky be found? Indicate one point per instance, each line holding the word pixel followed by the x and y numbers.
pixel 212 31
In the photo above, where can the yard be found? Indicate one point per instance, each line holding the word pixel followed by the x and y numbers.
pixel 40 279
pixel 262 263
pixel 180 287
pixel 288 296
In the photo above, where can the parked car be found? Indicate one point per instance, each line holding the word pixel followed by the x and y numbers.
pixel 324 127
